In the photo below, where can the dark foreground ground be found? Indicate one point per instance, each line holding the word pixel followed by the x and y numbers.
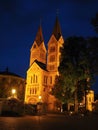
pixel 50 122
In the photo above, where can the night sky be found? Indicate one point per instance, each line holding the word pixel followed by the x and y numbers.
pixel 20 19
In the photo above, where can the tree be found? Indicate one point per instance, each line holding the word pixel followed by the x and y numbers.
pixel 94 22
pixel 73 70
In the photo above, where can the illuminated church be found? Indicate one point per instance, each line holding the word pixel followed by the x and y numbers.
pixel 43 68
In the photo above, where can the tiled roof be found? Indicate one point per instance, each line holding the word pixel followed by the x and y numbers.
pixel 42 65
pixel 8 73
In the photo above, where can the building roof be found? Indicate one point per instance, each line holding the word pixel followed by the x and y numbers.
pixel 42 65
pixel 39 36
pixel 57 29
pixel 6 72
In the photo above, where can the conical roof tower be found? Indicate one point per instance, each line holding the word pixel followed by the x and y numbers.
pixel 38 49
pixel 54 45
pixel 57 29
pixel 39 36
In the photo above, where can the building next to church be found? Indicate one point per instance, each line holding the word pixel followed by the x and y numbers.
pixel 43 68
pixel 11 85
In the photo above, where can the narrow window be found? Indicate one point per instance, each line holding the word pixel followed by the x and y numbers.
pixel 45 79
pixel 50 79
pixel 35 90
pixel 30 91
pixel 52 58
pixel 52 48
pixel 34 79
pixel 31 79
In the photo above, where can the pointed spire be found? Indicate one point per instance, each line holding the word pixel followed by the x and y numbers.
pixel 57 29
pixel 39 36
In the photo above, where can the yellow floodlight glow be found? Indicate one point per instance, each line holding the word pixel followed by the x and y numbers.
pixel 13 91
pixel 40 97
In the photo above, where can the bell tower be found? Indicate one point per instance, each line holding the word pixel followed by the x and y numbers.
pixel 38 49
pixel 54 44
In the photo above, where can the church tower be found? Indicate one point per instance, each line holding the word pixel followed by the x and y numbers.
pixel 44 68
pixel 54 44
pixel 36 70
pixel 53 60
pixel 38 49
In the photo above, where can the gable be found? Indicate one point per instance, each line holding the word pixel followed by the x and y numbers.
pixel 33 68
pixel 52 40
pixel 42 47
pixel 34 46
pixel 37 66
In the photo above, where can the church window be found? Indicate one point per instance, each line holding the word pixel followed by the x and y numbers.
pixel 35 90
pixel 50 79
pixel 52 58
pixel 31 79
pixel 34 78
pixel 52 49
pixel 44 89
pixel 45 79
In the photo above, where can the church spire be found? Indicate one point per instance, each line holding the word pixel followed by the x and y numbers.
pixel 57 29
pixel 39 36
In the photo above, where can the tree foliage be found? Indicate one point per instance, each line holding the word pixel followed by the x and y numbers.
pixel 77 65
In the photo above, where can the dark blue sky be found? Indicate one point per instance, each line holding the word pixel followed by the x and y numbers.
pixel 19 21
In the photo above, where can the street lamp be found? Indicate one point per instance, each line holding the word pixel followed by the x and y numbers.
pixel 13 93
pixel 39 107
pixel 40 97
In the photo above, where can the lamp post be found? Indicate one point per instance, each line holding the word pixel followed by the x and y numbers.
pixel 39 104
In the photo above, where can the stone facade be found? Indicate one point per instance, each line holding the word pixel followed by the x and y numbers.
pixel 43 68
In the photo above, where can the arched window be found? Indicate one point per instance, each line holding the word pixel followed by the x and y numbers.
pixel 50 79
pixel 31 79
pixel 34 78
pixel 52 58
pixel 52 49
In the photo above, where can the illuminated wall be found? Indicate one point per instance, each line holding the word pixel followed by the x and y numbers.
pixel 41 74
pixel 89 100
